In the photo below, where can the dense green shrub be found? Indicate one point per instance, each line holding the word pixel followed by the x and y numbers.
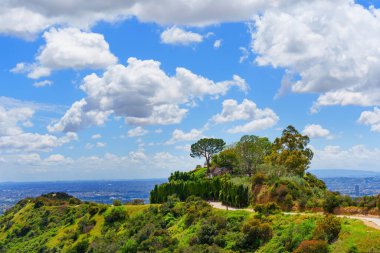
pixel 328 229
pixel 256 233
pixel 331 202
pixel 267 209
pixel 81 247
pixel 130 246
pixel 117 213
pixel 312 246
pixel 93 209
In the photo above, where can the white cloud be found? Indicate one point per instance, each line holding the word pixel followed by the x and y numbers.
pixel 178 36
pixel 68 48
pixel 14 139
pixel 244 54
pixel 101 144
pixel 322 43
pixel 42 83
pixel 256 118
pixel 179 135
pixel 41 14
pixel 31 142
pixel 138 131
pixel 96 136
pixel 356 157
pixel 11 103
pixel 13 21
pixel 142 93
pixel 217 44
pixel 371 118
pixel 186 148
pixel 316 131
pixel 11 121
pixel 78 116
pixel 58 159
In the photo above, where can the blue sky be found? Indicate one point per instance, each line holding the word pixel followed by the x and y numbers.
pixel 120 90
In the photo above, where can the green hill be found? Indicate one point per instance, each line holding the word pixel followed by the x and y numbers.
pixel 60 223
pixel 254 173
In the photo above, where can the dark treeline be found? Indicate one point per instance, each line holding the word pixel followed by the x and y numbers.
pixel 234 195
pixel 186 184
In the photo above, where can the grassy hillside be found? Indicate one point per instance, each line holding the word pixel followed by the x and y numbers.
pixel 61 223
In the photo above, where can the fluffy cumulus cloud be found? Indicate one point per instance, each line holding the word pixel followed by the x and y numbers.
pixel 371 118
pixel 321 43
pixel 26 18
pixel 13 138
pixel 179 135
pixel 316 131
pixel 137 131
pixel 68 48
pixel 178 36
pixel 255 118
pixel 357 157
pixel 142 93
pixel 12 120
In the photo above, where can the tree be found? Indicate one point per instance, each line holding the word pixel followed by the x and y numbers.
pixel 251 151
pixel 226 159
pixel 291 151
pixel 207 147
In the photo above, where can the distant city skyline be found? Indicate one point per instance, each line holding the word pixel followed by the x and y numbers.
pixel 121 89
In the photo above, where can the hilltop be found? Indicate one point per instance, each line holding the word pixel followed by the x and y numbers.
pixel 61 223
pixel 268 178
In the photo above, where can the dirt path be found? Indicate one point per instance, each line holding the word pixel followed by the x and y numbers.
pixel 368 221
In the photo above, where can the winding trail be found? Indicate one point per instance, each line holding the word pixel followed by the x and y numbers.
pixel 370 221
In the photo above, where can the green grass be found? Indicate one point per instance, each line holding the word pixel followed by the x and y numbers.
pixel 356 233
pixel 200 173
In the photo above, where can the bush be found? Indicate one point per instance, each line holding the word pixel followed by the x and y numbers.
pixel 38 204
pixel 206 233
pixel 267 209
pixel 85 225
pixel 137 202
pixel 312 246
pixel 256 233
pixel 328 229
pixel 116 202
pixel 81 247
pixel 130 246
pixel 331 202
pixel 116 214
pixel 93 209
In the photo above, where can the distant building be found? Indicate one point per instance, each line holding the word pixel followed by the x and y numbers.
pixel 357 190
